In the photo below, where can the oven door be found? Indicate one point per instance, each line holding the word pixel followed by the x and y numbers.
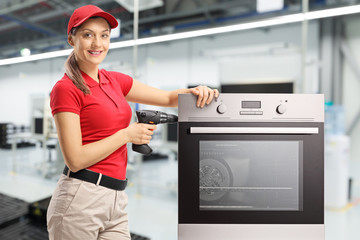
pixel 251 173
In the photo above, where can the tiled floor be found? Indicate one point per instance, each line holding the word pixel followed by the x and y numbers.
pixel 153 203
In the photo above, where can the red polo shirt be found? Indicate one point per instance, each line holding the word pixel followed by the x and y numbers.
pixel 102 113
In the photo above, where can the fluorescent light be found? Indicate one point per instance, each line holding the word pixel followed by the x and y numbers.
pixel 243 26
pixel 128 43
pixel 332 12
pixel 177 36
pixel 35 57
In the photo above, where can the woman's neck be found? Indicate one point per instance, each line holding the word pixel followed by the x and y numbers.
pixel 91 71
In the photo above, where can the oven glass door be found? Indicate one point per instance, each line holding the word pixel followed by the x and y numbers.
pixel 251 173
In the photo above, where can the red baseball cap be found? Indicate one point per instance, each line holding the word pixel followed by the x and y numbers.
pixel 81 14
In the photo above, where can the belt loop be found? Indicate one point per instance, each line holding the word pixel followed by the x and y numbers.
pixel 68 173
pixel 99 179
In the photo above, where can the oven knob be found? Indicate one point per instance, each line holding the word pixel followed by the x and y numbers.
pixel 221 109
pixel 281 109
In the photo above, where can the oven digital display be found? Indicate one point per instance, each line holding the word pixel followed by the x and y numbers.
pixel 251 104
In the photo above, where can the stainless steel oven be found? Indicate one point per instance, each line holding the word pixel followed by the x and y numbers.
pixel 251 166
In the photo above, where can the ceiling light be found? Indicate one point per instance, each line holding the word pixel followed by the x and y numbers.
pixel 24 52
pixel 177 36
pixel 269 5
pixel 35 57
pixel 243 26
pixel 332 12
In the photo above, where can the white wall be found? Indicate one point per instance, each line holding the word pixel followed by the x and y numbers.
pixel 351 91
pixel 21 81
pixel 169 65
pixel 273 55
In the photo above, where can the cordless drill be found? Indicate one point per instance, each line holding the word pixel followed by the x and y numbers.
pixel 151 117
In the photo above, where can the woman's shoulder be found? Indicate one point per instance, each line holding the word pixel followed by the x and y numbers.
pixel 65 84
pixel 66 97
pixel 65 80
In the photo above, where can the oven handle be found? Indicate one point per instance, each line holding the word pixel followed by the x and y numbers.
pixel 255 130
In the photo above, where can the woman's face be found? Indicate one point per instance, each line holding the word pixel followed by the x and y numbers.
pixel 91 42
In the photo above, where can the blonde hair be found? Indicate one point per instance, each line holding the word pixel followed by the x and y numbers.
pixel 73 71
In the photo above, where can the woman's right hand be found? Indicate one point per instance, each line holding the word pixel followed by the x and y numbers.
pixel 140 133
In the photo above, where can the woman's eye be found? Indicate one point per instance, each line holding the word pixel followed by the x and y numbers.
pixel 105 35
pixel 87 35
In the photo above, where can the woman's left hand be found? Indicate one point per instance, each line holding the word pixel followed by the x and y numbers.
pixel 205 95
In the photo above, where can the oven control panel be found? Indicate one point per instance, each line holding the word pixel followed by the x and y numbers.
pixel 254 107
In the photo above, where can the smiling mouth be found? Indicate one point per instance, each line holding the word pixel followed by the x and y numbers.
pixel 95 53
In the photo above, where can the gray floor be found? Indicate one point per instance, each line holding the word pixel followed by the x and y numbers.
pixel 152 194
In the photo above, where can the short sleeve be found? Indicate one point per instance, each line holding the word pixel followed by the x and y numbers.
pixel 65 97
pixel 126 83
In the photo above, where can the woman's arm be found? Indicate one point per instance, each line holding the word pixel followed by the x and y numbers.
pixel 142 93
pixel 78 156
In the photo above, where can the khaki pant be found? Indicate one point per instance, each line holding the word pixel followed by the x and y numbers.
pixel 82 210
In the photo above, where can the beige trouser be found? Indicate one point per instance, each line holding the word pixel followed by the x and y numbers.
pixel 85 211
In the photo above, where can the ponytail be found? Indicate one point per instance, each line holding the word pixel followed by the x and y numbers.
pixel 73 72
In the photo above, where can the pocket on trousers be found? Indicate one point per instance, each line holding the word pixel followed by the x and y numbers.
pixel 63 196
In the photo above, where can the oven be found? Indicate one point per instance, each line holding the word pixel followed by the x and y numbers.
pixel 251 166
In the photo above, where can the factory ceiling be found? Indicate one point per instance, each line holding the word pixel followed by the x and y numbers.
pixel 40 25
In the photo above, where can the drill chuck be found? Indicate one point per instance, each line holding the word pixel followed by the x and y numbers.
pixel 171 118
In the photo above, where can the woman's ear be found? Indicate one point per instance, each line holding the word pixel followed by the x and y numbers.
pixel 70 40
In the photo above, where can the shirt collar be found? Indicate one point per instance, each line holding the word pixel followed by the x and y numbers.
pixel 91 82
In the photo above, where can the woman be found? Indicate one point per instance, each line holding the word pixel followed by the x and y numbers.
pixel 92 118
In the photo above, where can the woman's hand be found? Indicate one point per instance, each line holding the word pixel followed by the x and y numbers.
pixel 205 95
pixel 139 133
